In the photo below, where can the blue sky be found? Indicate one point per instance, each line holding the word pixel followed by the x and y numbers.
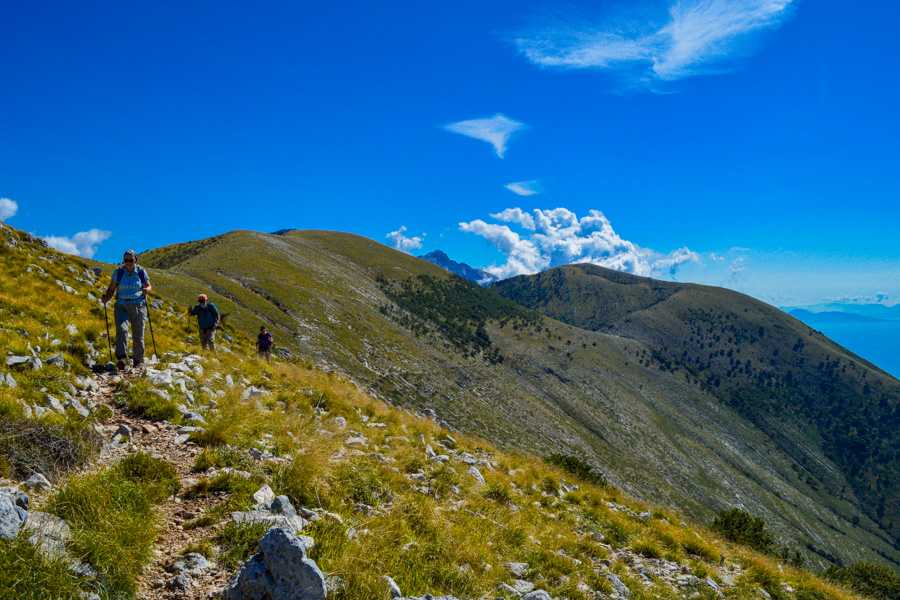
pixel 746 143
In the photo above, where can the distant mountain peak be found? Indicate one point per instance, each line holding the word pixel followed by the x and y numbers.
pixel 440 258
pixel 283 231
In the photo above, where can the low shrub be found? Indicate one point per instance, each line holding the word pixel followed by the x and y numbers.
pixel 49 447
pixel 875 581
pixel 578 468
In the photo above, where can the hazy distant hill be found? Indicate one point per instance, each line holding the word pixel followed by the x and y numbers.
pixel 829 317
pixel 876 311
pixel 422 337
pixel 462 269
pixel 792 382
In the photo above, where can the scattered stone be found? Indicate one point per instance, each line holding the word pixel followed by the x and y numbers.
pixel 620 588
pixel 687 580
pixel 279 570
pixel 17 361
pixel 57 360
pixel 355 441
pixel 193 563
pixel 54 404
pixel 253 392
pixel 537 595
pixel 71 330
pixel 194 417
pixel 79 408
pixel 10 382
pixel 37 482
pixel 264 495
pixel 124 430
pixel 181 583
pixel 182 439
pixel 393 588
pixel 474 472
pixel 12 518
pixel 521 586
pixel 148 428
pixel 516 569
pixel 229 381
pixel 340 422
pixel 159 394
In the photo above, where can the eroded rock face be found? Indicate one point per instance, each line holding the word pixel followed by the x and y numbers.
pixel 279 570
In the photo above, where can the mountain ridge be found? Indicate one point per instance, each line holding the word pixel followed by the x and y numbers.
pixel 339 299
pixel 439 258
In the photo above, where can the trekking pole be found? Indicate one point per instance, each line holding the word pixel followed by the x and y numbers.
pixel 108 343
pixel 149 320
pixel 187 329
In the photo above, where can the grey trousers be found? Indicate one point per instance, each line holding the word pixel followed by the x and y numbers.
pixel 208 339
pixel 136 314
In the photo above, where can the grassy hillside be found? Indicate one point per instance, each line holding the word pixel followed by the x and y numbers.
pixel 354 305
pixel 809 395
pixel 385 504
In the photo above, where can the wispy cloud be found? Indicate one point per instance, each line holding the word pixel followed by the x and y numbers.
pixel 557 237
pixel 690 37
pixel 83 243
pixel 495 130
pixel 8 209
pixel 524 188
pixel 404 243
pixel 736 270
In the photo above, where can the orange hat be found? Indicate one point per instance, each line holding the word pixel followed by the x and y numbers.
pixel 201 297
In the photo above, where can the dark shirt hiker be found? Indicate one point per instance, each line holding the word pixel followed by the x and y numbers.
pixel 264 343
pixel 207 320
pixel 131 284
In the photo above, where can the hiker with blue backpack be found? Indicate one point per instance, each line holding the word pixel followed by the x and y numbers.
pixel 131 284
pixel 208 321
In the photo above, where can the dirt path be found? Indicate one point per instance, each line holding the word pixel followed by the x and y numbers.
pixel 158 439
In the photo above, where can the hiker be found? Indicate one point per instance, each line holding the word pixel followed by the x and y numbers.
pixel 131 285
pixel 208 320
pixel 264 343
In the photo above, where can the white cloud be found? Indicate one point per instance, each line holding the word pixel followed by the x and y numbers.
pixel 404 243
pixel 8 209
pixel 558 237
pixel 495 130
pixel 736 269
pixel 524 188
pixel 83 243
pixel 687 40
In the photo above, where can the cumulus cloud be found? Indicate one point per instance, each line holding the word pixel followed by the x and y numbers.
pixel 404 243
pixel 8 209
pixel 495 130
pixel 691 37
pixel 83 243
pixel 736 269
pixel 524 188
pixel 558 237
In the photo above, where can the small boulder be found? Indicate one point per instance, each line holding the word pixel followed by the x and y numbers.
pixel 11 518
pixel 54 404
pixel 57 360
pixel 474 472
pixel 516 569
pixel 192 563
pixel 279 570
pixel 537 595
pixel 393 588
pixel 181 583
pixel 37 482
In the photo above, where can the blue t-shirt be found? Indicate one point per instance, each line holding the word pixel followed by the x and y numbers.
pixel 264 340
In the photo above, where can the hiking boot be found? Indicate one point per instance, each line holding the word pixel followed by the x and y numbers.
pixel 137 364
pixel 120 364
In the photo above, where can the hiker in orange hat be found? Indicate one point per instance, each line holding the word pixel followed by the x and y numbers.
pixel 208 320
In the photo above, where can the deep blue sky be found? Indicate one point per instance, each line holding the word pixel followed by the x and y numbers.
pixel 774 149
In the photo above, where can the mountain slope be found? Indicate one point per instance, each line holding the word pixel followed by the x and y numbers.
pixel 803 390
pixel 420 337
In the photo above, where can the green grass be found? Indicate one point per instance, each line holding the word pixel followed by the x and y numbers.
pixel 237 542
pixel 112 518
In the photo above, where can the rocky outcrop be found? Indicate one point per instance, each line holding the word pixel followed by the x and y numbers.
pixel 279 570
